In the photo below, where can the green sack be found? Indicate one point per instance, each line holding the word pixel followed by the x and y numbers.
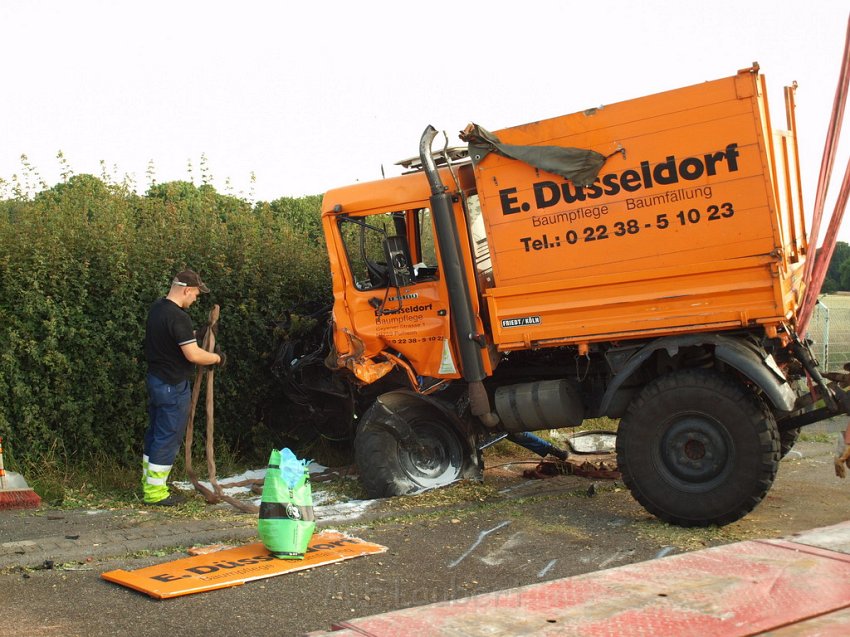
pixel 286 521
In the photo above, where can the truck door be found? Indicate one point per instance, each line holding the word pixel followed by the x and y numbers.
pixel 395 298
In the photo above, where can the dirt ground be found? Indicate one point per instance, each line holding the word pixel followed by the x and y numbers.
pixel 465 540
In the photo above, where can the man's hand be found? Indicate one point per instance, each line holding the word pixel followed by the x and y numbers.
pixel 222 360
pixel 842 461
pixel 222 356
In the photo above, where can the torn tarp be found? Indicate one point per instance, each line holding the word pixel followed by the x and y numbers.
pixel 579 165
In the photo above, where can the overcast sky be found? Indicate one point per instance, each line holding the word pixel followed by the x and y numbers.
pixel 309 96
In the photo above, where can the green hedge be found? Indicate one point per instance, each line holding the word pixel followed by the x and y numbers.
pixel 79 265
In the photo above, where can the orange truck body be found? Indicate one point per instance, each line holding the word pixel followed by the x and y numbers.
pixel 360 334
pixel 642 261
pixel 697 225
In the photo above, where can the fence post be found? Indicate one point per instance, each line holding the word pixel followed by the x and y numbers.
pixel 823 310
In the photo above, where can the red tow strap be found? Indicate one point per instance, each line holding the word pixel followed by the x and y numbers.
pixel 818 262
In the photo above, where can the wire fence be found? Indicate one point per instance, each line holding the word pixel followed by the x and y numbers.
pixel 830 331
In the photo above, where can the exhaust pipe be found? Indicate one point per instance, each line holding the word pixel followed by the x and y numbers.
pixel 463 320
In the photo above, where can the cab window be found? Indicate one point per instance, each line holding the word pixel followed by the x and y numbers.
pixel 389 248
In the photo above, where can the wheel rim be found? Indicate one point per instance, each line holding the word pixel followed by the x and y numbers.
pixel 695 452
pixel 438 459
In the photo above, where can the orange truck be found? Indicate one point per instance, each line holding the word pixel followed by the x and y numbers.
pixel 641 261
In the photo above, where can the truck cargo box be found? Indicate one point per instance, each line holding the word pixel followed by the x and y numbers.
pixel 697 225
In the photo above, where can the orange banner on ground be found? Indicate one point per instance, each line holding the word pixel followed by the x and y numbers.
pixel 233 567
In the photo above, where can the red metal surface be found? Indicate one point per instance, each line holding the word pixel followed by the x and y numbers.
pixel 834 538
pixel 832 625
pixel 748 588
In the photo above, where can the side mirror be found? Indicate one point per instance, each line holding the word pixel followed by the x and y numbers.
pixel 399 268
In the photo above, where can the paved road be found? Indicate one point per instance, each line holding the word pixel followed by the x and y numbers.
pixel 526 531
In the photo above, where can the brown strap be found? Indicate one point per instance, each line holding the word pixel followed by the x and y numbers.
pixel 217 494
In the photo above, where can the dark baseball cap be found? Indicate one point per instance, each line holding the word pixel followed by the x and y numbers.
pixel 190 278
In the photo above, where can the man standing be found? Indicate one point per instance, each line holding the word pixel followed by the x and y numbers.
pixel 172 351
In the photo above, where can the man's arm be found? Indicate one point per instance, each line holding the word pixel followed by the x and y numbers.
pixel 198 355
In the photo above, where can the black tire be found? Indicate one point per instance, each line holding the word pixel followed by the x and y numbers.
pixel 787 440
pixel 389 467
pixel 697 448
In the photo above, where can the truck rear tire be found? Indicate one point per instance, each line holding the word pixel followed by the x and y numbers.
pixel 391 466
pixel 697 448
pixel 787 440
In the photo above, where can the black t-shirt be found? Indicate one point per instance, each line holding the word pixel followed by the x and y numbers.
pixel 168 328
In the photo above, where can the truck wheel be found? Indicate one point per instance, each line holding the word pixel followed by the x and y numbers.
pixel 696 448
pixel 391 465
pixel 787 440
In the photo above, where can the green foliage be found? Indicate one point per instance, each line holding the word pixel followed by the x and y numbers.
pixel 81 262
pixel 300 214
pixel 844 275
pixel 839 256
pixel 838 271
pixel 830 286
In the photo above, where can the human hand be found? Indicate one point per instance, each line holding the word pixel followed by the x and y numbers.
pixel 222 358
pixel 842 461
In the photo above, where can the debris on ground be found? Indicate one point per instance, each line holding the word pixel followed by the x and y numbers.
pixel 210 548
pixel 605 469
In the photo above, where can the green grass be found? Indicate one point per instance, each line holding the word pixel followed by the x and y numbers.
pixel 341 490
pixel 601 424
pixel 99 482
pixel 816 437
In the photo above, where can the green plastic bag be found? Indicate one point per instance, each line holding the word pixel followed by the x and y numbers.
pixel 286 521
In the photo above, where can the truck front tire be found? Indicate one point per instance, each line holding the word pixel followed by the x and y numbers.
pixel 697 448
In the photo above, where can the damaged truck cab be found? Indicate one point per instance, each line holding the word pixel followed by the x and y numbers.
pixel 641 261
